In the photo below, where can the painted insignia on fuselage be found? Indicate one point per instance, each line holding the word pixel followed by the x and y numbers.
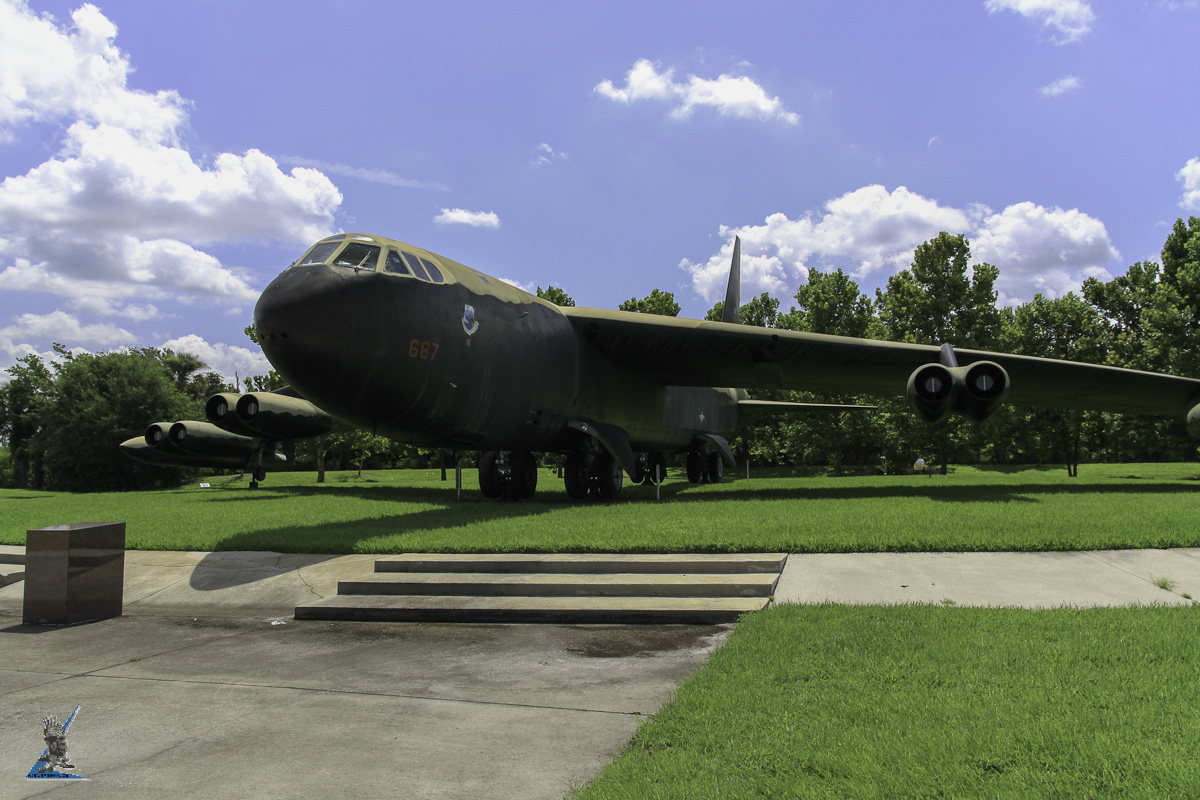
pixel 470 324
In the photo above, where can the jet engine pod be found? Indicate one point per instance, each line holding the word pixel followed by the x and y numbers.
pixel 982 388
pixel 931 392
pixel 219 410
pixel 156 435
pixel 281 417
pixel 207 439
pixel 1193 422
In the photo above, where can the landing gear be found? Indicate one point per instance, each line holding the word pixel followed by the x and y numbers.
pixel 507 473
pixel 716 467
pixel 705 467
pixel 651 469
pixel 595 473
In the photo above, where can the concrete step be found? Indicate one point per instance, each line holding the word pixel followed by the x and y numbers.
pixel 12 554
pixel 559 588
pixel 584 562
pixel 11 573
pixel 562 610
pixel 549 584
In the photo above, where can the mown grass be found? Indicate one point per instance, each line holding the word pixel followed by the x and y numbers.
pixel 1108 506
pixel 929 701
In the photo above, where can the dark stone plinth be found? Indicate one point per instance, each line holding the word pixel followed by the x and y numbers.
pixel 74 573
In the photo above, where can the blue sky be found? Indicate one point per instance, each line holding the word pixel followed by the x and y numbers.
pixel 161 162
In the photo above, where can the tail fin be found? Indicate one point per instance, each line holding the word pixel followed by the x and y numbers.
pixel 733 292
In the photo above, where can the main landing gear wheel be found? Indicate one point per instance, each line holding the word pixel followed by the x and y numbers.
pixel 595 473
pixel 609 478
pixel 522 482
pixel 716 467
pixel 507 473
pixel 489 482
pixel 575 475
pixel 695 466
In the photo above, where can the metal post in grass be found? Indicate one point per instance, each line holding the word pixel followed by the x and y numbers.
pixel 458 478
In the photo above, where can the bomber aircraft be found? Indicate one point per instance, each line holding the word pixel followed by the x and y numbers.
pixel 381 335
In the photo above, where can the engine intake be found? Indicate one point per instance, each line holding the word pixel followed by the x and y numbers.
pixel 936 391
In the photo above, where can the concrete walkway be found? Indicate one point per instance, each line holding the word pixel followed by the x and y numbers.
pixel 207 686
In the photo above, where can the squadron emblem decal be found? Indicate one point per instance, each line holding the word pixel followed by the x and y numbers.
pixel 55 758
pixel 470 324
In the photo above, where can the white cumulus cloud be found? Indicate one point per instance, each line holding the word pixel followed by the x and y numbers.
pixel 226 359
pixel 122 210
pixel 59 326
pixel 461 216
pixel 1061 86
pixel 1190 177
pixel 730 95
pixel 1071 18
pixel 866 231
pixel 873 232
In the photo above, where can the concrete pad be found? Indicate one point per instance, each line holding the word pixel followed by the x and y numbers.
pixel 1029 580
pixel 238 707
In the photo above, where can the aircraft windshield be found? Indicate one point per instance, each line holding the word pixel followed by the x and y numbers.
pixel 359 256
pixel 319 253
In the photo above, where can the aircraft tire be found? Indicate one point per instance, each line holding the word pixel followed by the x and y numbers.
pixel 489 484
pixel 609 478
pixel 640 473
pixel 260 474
pixel 575 476
pixel 523 482
pixel 716 468
pixel 695 466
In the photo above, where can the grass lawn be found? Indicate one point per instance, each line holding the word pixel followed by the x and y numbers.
pixel 926 701
pixel 1108 506
pixel 806 701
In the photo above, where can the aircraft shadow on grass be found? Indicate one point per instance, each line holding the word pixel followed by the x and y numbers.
pixel 449 513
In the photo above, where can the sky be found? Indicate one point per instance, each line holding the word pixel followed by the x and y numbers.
pixel 162 162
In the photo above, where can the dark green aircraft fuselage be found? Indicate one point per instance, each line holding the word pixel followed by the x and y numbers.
pixel 468 362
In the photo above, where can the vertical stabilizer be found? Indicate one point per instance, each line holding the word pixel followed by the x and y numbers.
pixel 733 292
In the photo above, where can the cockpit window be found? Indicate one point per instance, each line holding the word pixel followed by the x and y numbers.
pixel 422 268
pixel 395 263
pixel 359 256
pixel 417 269
pixel 435 274
pixel 319 253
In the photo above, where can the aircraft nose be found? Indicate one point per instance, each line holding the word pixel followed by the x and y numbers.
pixel 304 318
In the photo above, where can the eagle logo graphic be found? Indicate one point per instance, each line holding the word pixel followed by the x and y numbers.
pixel 470 324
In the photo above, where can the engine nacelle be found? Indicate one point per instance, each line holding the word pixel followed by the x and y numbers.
pixel 1193 422
pixel 220 411
pixel 206 439
pixel 976 390
pixel 156 435
pixel 931 392
pixel 982 388
pixel 279 416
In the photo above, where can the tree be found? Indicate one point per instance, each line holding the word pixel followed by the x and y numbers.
pixel 264 383
pixel 657 302
pixel 556 296
pixel 99 401
pixel 831 303
pixel 935 301
pixel 22 404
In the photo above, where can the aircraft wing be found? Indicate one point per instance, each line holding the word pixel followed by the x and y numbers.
pixel 683 352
